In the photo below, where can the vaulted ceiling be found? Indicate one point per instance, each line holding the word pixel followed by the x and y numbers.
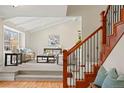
pixel 34 17
pixel 37 23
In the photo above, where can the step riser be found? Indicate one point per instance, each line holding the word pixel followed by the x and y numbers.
pixel 38 79
pixel 40 73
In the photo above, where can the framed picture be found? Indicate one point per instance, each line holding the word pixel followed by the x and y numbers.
pixel 54 40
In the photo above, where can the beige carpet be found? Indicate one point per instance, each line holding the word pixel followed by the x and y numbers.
pixel 31 84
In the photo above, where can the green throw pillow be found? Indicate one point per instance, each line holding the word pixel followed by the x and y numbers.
pixel 120 77
pixel 112 81
pixel 101 75
pixel 113 73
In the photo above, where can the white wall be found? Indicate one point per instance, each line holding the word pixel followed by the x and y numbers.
pixel 91 18
pixel 1 41
pixel 67 31
pixel 22 40
pixel 116 58
pixel 27 39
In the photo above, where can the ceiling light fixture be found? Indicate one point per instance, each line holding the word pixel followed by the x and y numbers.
pixel 15 5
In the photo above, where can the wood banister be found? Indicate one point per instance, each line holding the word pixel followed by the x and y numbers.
pixel 80 43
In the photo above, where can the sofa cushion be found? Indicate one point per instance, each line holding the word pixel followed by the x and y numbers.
pixel 113 73
pixel 101 75
pixel 28 50
pixel 25 50
pixel 120 77
pixel 112 81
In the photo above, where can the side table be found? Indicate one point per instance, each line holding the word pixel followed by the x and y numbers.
pixel 14 59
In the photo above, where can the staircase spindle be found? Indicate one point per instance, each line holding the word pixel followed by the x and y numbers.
pixel 109 27
pixel 85 56
pixel 97 48
pixel 112 20
pixel 119 8
pixel 111 32
pixel 70 69
pixel 79 64
pixel 94 49
pixel 114 14
pixel 82 62
pixel 76 65
pixel 91 55
pixel 109 24
pixel 117 13
pixel 73 76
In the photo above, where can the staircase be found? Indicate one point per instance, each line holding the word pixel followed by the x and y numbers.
pixel 38 75
pixel 82 61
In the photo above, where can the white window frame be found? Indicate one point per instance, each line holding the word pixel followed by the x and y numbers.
pixel 14 30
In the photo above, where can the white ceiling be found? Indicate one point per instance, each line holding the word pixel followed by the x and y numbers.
pixel 34 17
pixel 36 23
pixel 8 11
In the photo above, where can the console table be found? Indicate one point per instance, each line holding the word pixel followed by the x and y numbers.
pixel 54 51
pixel 47 58
pixel 14 59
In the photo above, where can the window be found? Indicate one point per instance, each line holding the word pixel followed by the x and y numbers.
pixel 12 39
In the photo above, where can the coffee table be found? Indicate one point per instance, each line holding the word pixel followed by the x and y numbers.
pixel 47 58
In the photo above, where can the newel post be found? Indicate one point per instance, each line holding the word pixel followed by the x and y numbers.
pixel 122 15
pixel 65 69
pixel 103 17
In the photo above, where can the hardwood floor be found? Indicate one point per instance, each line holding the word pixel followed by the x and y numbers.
pixel 31 84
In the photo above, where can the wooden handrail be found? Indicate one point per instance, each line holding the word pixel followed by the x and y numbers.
pixel 80 43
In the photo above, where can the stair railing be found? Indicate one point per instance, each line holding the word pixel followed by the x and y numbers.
pixel 81 58
pixel 111 17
